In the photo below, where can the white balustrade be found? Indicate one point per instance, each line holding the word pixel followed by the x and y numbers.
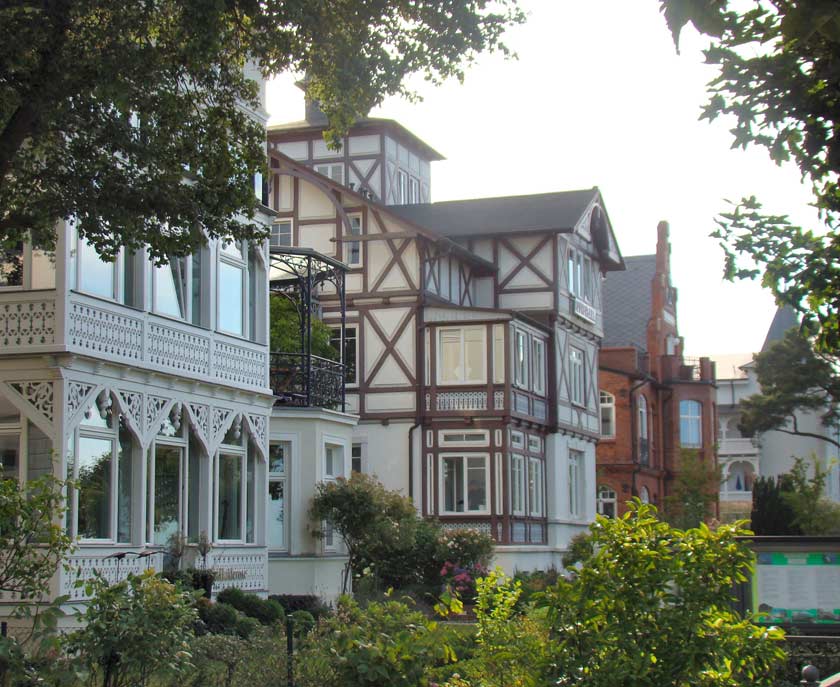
pixel 112 331
pixel 83 566
pixel 461 400
pixel 27 319
pixel 738 447
pixel 246 569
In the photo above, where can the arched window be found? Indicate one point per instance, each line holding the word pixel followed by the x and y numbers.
pixel 691 416
pixel 607 501
pixel 607 414
pixel 644 444
pixel 644 495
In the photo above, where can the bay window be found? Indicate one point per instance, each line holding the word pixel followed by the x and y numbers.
pixel 465 483
pixel 691 417
pixel 462 355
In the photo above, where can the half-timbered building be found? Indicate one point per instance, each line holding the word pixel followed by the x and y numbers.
pixel 471 333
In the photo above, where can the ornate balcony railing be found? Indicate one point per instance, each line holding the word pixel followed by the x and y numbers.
pixel 307 381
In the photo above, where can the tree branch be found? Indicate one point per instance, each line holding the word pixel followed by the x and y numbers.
pixel 798 433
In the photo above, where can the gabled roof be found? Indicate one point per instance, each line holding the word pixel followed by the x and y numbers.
pixel 784 319
pixel 627 300
pixel 392 125
pixel 491 216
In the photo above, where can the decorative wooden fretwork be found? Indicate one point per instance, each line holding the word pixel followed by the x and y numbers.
pixel 27 323
pixel 461 400
pixel 102 331
pixel 498 400
pixel 221 417
pixel 259 424
pixel 179 350
pixel 483 527
pixel 154 412
pixel 77 396
pixel 38 394
pixel 240 365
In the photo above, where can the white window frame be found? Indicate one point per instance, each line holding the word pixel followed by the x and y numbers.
pixel 577 376
pixel 402 187
pixel 356 229
pixel 538 365
pixel 607 404
pixel 442 483
pixel 517 440
pixel 76 244
pixel 687 405
pixel 281 477
pixel 517 484
pixel 413 190
pixel 475 381
pixel 335 333
pixel 446 436
pixel 535 488
pixel 14 429
pixel 274 239
pixel 242 453
pixel 105 434
pixel 225 258
pixel 521 366
pixel 605 495
pixel 362 457
pixel 189 315
pixel 329 442
pixel 498 353
pixel 576 459
pixel 332 170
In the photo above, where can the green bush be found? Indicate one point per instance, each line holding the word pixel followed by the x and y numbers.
pixel 302 602
pixel 133 631
pixel 266 611
pixel 229 661
pixel 302 621
pixel 223 619
pixel 382 645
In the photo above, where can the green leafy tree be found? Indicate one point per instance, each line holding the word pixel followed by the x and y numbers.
pixel 652 606
pixel 778 79
pixel 374 523
pixel 813 513
pixel 133 632
pixel 694 491
pixel 32 538
pixel 285 330
pixel 794 379
pixel 133 117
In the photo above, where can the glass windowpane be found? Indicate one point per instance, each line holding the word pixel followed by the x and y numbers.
pixel 94 482
pixel 230 497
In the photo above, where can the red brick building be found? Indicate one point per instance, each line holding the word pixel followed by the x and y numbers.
pixel 654 401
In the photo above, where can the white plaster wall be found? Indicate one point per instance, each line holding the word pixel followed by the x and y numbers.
pixel 561 525
pixel 318 575
pixel 387 452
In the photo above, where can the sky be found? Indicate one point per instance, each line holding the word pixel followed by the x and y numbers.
pixel 599 97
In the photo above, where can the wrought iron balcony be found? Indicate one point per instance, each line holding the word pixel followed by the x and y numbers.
pixel 307 381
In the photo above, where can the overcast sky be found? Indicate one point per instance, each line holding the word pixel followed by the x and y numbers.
pixel 599 97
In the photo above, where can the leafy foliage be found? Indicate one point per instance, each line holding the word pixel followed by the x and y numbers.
pixel 32 540
pixel 265 611
pixel 387 541
pixel 778 78
pixel 385 644
pixel 157 89
pixel 651 606
pixel 134 631
pixel 813 513
pixel 794 378
pixel 284 335
pixel 694 492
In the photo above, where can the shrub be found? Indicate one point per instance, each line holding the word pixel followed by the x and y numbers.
pixel 267 612
pixel 302 602
pixel 229 661
pixel 133 631
pixel 382 645
pixel 223 619
pixel 302 621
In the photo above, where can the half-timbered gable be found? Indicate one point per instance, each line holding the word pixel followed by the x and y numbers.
pixel 475 327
